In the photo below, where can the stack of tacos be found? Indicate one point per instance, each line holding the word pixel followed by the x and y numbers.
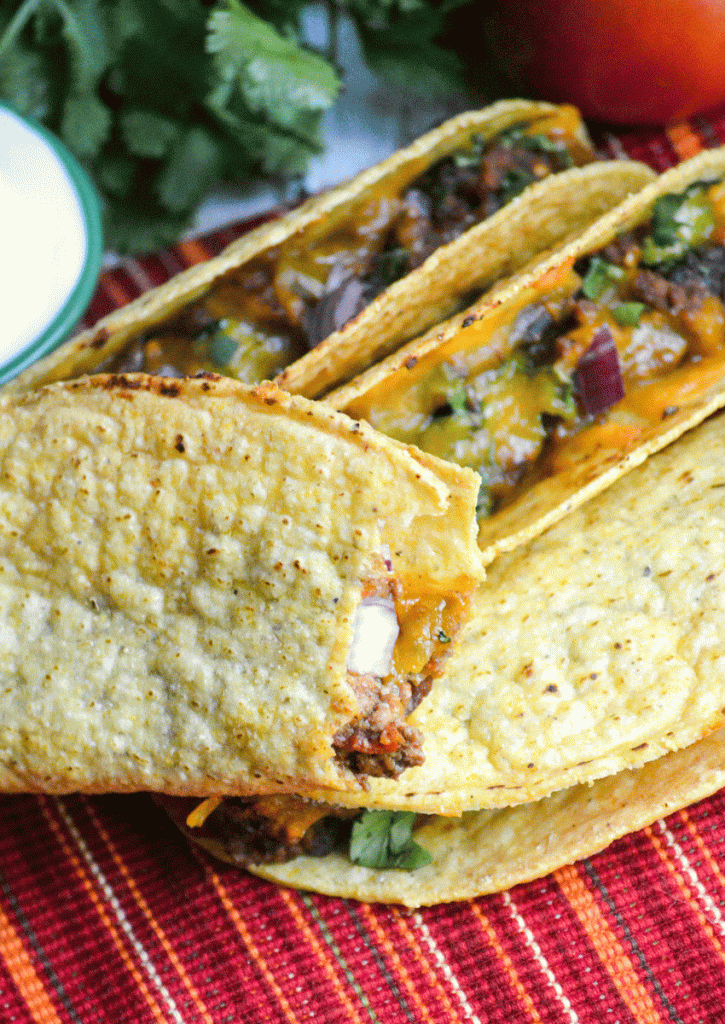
pixel 589 664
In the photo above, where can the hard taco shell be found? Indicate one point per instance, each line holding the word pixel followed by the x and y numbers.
pixel 180 567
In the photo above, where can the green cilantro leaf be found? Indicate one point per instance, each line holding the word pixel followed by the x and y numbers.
pixel 600 276
pixel 160 98
pixel 384 839
pixel 147 133
pixel 627 314
pixel 276 76
pixel 141 228
pixel 28 81
pixel 86 124
pixel 193 166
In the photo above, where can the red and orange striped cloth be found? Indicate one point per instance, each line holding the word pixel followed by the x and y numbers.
pixel 107 914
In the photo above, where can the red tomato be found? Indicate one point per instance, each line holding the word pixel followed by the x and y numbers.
pixel 626 61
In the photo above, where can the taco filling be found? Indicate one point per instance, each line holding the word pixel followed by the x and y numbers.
pixel 259 318
pixel 595 354
pixel 276 829
pixel 400 643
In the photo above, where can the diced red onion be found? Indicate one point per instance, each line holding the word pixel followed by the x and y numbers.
pixel 598 376
pixel 375 630
pixel 387 556
pixel 335 309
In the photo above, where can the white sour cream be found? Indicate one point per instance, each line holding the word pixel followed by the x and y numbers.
pixel 44 237
pixel 375 630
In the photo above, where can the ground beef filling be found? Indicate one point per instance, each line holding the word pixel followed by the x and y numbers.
pixel 265 830
pixel 378 742
pixel 443 203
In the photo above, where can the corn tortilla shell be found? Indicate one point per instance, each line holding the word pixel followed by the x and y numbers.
pixel 597 647
pixel 550 499
pixel 538 218
pixel 180 562
pixel 488 851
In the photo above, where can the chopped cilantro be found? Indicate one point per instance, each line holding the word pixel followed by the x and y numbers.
pixel 221 348
pixel 470 157
pixel 600 276
pixel 513 184
pixel 458 398
pixel 519 138
pixel 390 265
pixel 384 839
pixel 679 222
pixel 627 314
pixel 442 637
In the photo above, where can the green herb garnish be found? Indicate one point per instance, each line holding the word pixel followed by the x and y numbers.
pixel 442 637
pixel 679 222
pixel 470 157
pixel 162 99
pixel 390 265
pixel 519 138
pixel 384 839
pixel 513 184
pixel 457 398
pixel 628 314
pixel 599 277
pixel 220 347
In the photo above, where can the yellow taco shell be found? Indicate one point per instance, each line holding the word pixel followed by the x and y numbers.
pixel 180 567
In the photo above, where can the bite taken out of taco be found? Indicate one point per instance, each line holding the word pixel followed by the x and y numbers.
pixel 585 700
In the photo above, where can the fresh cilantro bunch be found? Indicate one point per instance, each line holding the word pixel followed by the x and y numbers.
pixel 161 99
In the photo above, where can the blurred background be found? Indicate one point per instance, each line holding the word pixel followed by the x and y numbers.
pixel 188 114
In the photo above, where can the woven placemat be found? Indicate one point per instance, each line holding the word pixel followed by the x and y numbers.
pixel 107 914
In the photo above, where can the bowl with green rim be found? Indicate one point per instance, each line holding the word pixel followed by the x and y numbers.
pixel 52 241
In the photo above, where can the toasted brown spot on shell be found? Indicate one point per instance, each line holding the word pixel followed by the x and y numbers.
pixel 100 338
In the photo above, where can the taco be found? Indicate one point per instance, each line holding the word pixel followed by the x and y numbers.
pixel 205 586
pixel 588 652
pixel 351 274
pixel 593 654
pixel 563 377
